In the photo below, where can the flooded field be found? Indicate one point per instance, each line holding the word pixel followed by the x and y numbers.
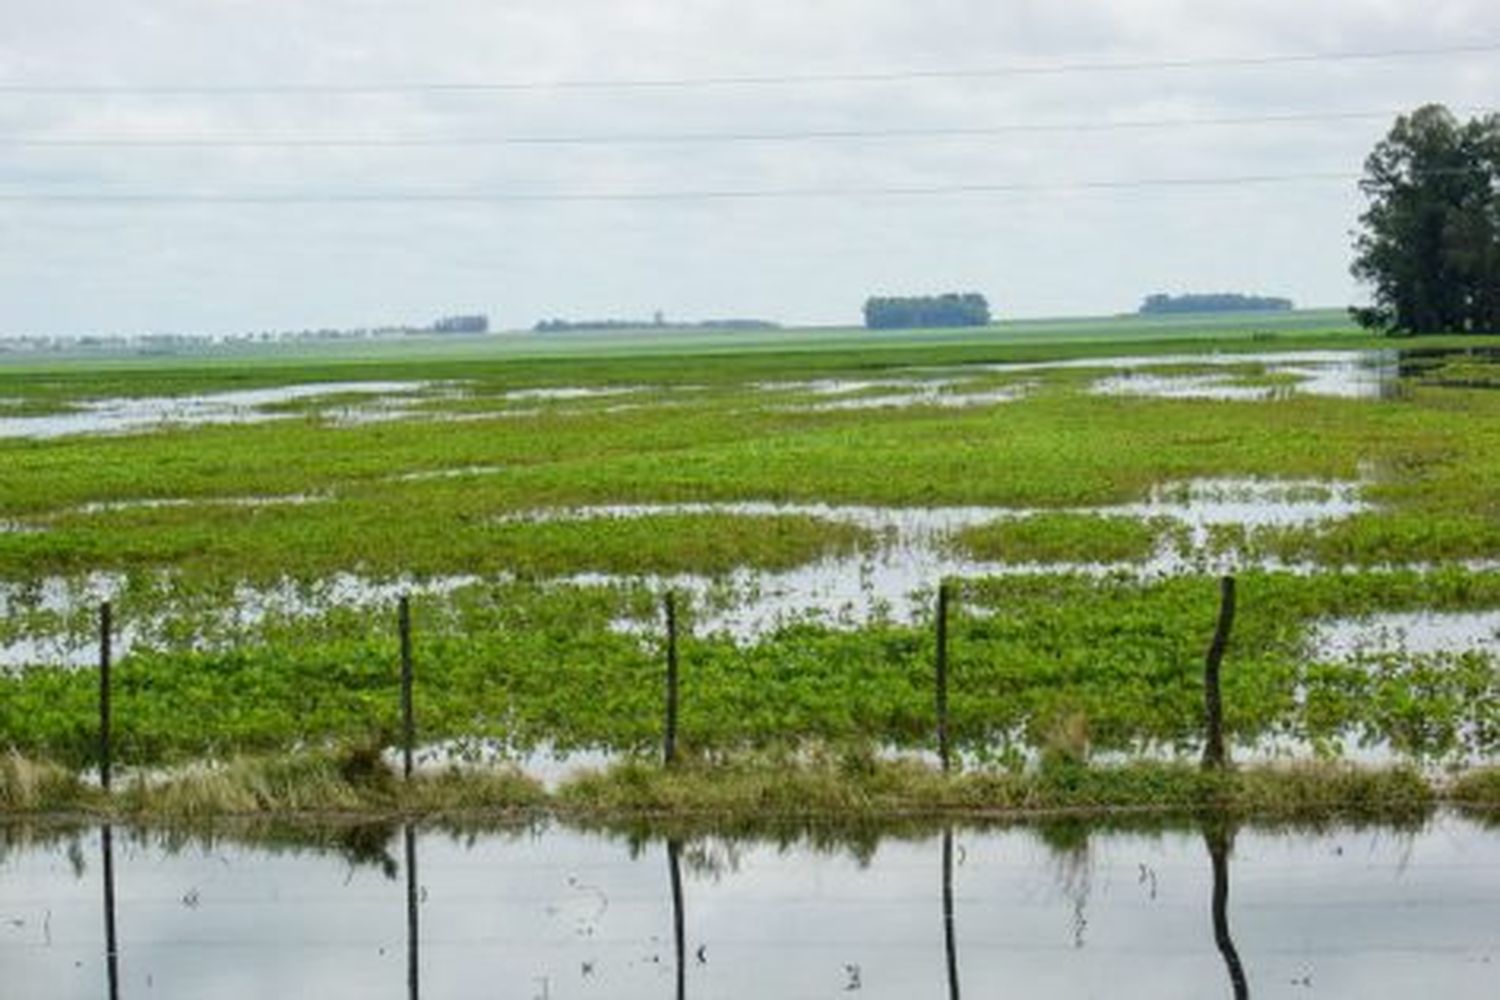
pixel 892 579
pixel 1055 910
pixel 244 406
pixel 1239 376
pixel 803 515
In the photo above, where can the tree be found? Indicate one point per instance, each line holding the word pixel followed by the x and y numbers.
pixel 1429 242
pixel 1199 302
pixel 907 312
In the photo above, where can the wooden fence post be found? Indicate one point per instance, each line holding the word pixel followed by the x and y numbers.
pixel 106 622
pixel 942 677
pixel 408 719
pixel 669 740
pixel 1214 756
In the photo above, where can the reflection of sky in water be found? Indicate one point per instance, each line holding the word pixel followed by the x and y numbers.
pixel 1417 632
pixel 892 580
pixel 912 556
pixel 1369 914
pixel 240 406
pixel 1349 374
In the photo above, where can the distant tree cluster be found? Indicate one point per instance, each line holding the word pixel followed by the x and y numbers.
pixel 656 323
pixel 1159 303
pixel 475 323
pixel 1429 242
pixel 911 311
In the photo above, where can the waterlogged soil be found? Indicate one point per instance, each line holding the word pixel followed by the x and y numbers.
pixel 1018 507
pixel 241 406
pixel 1410 632
pixel 1342 374
pixel 895 580
pixel 892 580
pixel 1043 911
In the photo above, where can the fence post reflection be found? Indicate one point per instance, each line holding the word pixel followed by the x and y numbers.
pixel 950 943
pixel 679 935
pixel 1220 840
pixel 111 943
pixel 412 936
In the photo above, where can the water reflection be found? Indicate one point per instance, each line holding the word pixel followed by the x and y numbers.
pixel 679 927
pixel 950 945
pixel 111 941
pixel 1220 841
pixel 1373 912
pixel 413 929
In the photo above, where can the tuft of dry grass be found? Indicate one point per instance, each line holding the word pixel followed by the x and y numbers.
pixel 29 786
pixel 1479 787
pixel 825 783
pixel 351 780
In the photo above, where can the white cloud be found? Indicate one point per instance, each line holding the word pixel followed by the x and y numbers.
pixel 237 266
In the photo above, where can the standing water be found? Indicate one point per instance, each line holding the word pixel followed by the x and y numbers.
pixel 1041 911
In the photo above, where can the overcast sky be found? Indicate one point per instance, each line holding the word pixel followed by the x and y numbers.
pixel 239 237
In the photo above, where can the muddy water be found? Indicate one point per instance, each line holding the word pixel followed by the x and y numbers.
pixel 1034 912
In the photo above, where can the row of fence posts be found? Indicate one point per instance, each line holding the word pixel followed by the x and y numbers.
pixel 1214 753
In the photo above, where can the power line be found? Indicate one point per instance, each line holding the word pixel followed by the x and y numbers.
pixel 725 194
pixel 627 138
pixel 766 80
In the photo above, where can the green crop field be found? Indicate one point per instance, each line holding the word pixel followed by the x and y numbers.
pixel 252 515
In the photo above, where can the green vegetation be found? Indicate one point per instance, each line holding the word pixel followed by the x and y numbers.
pixel 1065 537
pixel 256 565
pixel 532 664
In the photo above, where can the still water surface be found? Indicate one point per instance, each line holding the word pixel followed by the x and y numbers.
pixel 549 912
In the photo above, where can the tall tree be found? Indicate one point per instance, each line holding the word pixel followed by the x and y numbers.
pixel 1429 242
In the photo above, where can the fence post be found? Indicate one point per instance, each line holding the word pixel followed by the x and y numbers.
pixel 408 720
pixel 106 621
pixel 942 676
pixel 1214 756
pixel 669 741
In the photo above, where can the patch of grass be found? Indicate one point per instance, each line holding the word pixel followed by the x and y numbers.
pixel 1064 537
pixel 350 780
pixel 1478 787
pixel 31 786
pixel 845 787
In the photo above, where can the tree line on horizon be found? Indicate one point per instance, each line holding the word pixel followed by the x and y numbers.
pixel 1200 302
pixel 898 312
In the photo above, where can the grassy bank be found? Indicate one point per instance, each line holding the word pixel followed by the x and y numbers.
pixel 742 791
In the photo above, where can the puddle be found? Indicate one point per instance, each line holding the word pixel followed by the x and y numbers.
pixel 1342 374
pixel 894 581
pixel 1046 911
pixel 569 393
pixel 931 397
pixel 1416 632
pixel 1185 387
pixel 462 472
pixel 546 764
pixel 111 506
pixel 76 599
pixel 241 406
